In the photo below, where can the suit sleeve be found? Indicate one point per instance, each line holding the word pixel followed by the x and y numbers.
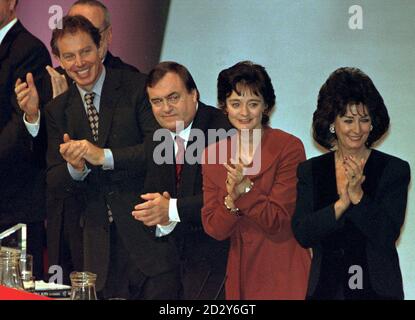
pixel 10 135
pixel 133 157
pixel 309 225
pixel 13 133
pixel 272 211
pixel 189 209
pixel 218 222
pixel 59 180
pixel 381 218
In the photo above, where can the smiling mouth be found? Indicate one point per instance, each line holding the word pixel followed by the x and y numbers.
pixel 355 138
pixel 83 73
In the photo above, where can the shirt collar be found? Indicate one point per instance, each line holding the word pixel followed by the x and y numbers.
pixel 97 88
pixel 6 28
pixel 184 134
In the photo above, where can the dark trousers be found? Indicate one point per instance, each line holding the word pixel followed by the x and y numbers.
pixel 125 280
pixel 70 247
pixel 202 281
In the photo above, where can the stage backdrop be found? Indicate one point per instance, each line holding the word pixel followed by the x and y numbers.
pixel 300 43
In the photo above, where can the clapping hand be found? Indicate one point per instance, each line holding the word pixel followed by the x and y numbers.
pixel 155 210
pixel 354 174
pixel 27 97
pixel 58 81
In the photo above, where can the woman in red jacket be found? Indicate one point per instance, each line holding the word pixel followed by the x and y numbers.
pixel 251 198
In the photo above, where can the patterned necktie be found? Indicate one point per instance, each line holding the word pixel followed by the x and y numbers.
pixel 92 113
pixel 179 158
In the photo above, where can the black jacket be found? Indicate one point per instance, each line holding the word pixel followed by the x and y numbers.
pixel 22 158
pixel 378 218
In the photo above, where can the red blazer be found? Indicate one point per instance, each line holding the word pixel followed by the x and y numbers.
pixel 265 261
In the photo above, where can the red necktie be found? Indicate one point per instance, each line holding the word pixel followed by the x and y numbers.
pixel 179 158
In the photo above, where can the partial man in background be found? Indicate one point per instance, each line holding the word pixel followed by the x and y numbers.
pixel 173 196
pixel 22 157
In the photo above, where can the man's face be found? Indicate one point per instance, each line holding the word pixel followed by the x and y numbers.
pixel 96 16
pixel 80 58
pixel 6 12
pixel 171 102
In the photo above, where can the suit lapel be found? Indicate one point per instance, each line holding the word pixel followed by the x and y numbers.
pixel 165 173
pixel 109 99
pixel 9 38
pixel 77 121
pixel 191 171
pixel 324 181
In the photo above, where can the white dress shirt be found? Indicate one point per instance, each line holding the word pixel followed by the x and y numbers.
pixel 174 217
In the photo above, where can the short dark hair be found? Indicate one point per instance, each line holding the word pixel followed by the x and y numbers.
pixel 72 25
pixel 161 69
pixel 96 3
pixel 345 87
pixel 252 75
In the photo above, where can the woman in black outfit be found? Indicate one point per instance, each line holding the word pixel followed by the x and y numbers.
pixel 351 201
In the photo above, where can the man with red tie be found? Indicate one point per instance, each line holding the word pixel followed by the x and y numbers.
pixel 173 195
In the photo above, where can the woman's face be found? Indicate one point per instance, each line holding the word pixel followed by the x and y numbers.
pixel 245 110
pixel 353 128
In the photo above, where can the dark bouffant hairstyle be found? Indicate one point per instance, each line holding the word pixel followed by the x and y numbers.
pixel 160 70
pixel 254 76
pixel 344 87
pixel 73 24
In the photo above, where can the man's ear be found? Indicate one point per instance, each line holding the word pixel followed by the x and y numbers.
pixel 109 35
pixel 194 95
pixel 12 5
pixel 101 52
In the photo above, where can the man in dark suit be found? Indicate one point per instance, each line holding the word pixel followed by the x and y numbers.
pixel 64 229
pixel 173 189
pixel 64 232
pixel 22 164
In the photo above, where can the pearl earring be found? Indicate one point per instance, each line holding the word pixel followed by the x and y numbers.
pixel 371 127
pixel 332 130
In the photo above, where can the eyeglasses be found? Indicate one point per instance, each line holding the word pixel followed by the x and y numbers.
pixel 174 98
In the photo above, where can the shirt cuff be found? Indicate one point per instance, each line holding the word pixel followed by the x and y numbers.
pixel 173 212
pixel 162 231
pixel 108 160
pixel 76 175
pixel 32 128
pixel 173 218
